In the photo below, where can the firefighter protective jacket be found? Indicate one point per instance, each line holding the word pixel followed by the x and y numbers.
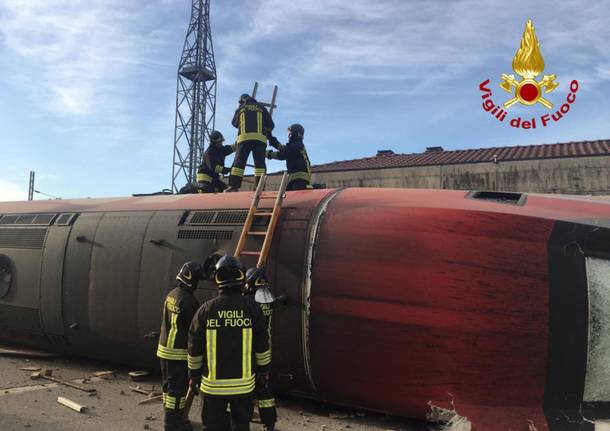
pixel 297 161
pixel 227 341
pixel 178 311
pixel 213 165
pixel 253 122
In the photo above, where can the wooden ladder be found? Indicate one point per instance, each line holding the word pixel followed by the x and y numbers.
pixel 255 211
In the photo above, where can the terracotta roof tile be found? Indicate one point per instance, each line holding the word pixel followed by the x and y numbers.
pixel 481 155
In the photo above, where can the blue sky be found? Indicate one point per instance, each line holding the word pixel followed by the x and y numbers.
pixel 87 92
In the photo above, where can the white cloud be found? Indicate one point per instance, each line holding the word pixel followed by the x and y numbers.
pixel 388 41
pixel 75 55
pixel 11 192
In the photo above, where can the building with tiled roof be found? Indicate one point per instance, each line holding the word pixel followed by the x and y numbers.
pixel 573 167
pixel 437 156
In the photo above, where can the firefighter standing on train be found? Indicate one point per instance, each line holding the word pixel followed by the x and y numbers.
pixel 179 308
pixel 295 154
pixel 228 344
pixel 209 174
pixel 258 287
pixel 254 124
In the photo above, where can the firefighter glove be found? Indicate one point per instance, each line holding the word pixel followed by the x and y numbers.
pixel 194 384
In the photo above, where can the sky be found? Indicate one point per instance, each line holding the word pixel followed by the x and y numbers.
pixel 87 94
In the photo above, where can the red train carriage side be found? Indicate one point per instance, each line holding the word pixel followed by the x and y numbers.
pixel 399 299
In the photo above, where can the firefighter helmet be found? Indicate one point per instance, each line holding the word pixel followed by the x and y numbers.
pixel 229 273
pixel 243 98
pixel 216 136
pixel 190 274
pixel 296 131
pixel 255 277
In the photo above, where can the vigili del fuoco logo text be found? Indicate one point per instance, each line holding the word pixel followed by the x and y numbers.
pixel 528 64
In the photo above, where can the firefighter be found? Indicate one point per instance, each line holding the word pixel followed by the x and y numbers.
pixel 209 174
pixel 178 311
pixel 295 154
pixel 254 124
pixel 228 343
pixel 258 287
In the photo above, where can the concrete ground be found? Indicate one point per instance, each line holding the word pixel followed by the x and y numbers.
pixel 32 404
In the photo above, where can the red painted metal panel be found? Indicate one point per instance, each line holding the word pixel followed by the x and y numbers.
pixel 412 305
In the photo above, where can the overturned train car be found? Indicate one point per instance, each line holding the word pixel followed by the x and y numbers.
pixel 400 301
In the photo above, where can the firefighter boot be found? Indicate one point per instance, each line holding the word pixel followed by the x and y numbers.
pixel 174 421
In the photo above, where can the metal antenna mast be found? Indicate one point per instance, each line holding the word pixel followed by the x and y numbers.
pixel 195 97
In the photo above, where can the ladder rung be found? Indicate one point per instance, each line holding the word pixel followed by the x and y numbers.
pixel 263 214
pixel 257 233
pixel 251 253
pixel 268 197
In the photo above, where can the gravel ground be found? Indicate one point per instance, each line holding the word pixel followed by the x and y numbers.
pixel 27 404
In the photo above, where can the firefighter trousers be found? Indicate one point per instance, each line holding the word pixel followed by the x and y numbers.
pixel 266 406
pixel 298 185
pixel 241 158
pixel 216 186
pixel 174 375
pixel 214 415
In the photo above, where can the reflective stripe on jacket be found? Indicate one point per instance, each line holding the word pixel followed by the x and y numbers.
pixel 295 154
pixel 178 311
pixel 253 122
pixel 213 163
pixel 228 340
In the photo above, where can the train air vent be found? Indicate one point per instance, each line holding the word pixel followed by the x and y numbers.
pixel 28 219
pixel 499 197
pixel 22 237
pixel 231 217
pixel 204 234
pixel 65 219
pixel 44 219
pixel 202 217
pixel 9 219
pixel 25 219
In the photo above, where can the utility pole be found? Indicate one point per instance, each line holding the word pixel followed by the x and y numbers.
pixel 31 187
pixel 195 97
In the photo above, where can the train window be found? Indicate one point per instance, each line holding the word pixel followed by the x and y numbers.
pixel 6 275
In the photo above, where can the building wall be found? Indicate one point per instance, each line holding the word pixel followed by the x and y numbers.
pixel 578 175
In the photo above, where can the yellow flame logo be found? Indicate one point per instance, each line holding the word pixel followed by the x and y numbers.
pixel 528 63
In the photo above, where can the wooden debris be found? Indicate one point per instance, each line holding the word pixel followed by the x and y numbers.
pixel 339 415
pixel 137 376
pixel 104 374
pixel 71 404
pixel 150 400
pixel 38 374
pixel 139 390
pixel 30 369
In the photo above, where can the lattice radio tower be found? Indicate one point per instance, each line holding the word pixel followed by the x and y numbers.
pixel 195 97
